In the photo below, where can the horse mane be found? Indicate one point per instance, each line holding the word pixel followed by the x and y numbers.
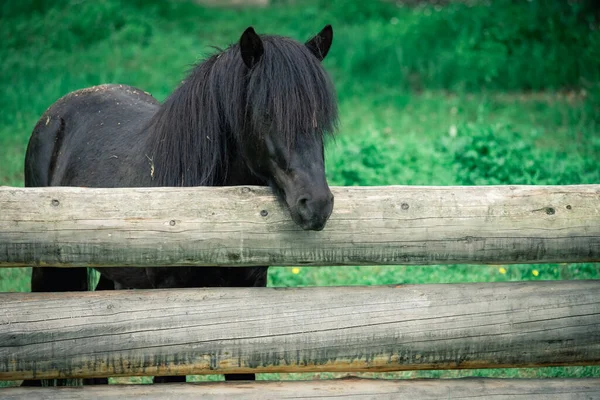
pixel 197 131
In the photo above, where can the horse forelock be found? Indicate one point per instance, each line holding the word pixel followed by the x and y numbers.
pixel 290 89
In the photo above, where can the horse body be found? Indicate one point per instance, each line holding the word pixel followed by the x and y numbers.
pixel 253 114
pixel 107 118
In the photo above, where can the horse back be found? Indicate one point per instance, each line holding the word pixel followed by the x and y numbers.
pixel 89 138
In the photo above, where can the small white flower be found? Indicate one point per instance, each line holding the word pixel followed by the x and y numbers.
pixel 452 131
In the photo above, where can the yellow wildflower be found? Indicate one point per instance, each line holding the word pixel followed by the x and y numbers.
pixel 502 270
pixel 535 272
pixel 295 270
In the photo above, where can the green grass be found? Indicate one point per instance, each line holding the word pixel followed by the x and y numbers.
pixel 464 94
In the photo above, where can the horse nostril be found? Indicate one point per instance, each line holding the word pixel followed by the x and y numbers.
pixel 303 202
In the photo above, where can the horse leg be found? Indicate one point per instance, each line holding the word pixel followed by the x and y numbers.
pixel 105 284
pixel 49 279
pixel 169 379
pixel 32 383
pixel 95 381
pixel 240 377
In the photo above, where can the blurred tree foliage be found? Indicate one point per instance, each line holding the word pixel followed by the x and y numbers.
pixel 416 45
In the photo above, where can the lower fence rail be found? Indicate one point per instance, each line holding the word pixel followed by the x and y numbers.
pixel 337 329
pixel 420 389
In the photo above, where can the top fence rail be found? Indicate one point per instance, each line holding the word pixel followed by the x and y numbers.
pixel 247 226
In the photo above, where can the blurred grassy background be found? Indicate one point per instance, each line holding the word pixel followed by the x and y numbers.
pixel 431 93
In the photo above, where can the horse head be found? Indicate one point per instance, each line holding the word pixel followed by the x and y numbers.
pixel 290 107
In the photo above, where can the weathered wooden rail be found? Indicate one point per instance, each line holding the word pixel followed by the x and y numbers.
pixel 254 330
pixel 244 226
pixel 384 389
pixel 251 330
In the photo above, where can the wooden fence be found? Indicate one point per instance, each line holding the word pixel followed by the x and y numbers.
pixel 340 329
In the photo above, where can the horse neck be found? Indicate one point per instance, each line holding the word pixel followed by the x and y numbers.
pixel 183 149
pixel 239 174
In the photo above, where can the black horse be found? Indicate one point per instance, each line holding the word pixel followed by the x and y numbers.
pixel 253 114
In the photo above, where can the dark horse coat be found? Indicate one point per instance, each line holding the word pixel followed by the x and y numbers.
pixel 253 114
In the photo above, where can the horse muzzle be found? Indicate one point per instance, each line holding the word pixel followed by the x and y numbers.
pixel 311 212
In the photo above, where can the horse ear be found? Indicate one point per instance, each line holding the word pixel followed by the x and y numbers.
pixel 320 44
pixel 251 47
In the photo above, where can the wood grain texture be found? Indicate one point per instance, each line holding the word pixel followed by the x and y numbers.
pixel 254 330
pixel 421 389
pixel 245 226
